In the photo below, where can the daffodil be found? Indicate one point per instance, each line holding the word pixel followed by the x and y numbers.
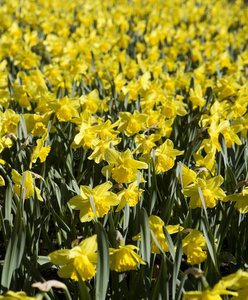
pixel 235 285
pixel 123 168
pixel 40 151
pixel 10 295
pixel 211 192
pixel 165 156
pixel 2 182
pixel 229 132
pixel 81 259
pixel 188 176
pixel 130 195
pixel 37 124
pixel 156 225
pixel 145 142
pixel 172 108
pixel 195 246
pixel 241 200
pixel 99 147
pixel 132 123
pixel 208 161
pixel 65 108
pixel 91 101
pixel 28 184
pixel 124 258
pixel 196 97
pixel 9 121
pixel 102 198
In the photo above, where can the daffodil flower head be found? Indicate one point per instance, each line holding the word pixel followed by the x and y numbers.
pixel 132 124
pixel 81 259
pixel 156 225
pixel 145 142
pixel 28 184
pixel 65 108
pixel 124 258
pixel 40 151
pixel 211 192
pixel 235 285
pixel 99 147
pixel 123 167
pixel 130 195
pixel 241 200
pixel 165 156
pixel 102 198
pixel 194 246
pixel 188 176
pixel 10 295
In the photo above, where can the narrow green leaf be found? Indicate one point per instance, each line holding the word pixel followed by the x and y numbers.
pixel 92 203
pixel 15 250
pixel 102 275
pixel 177 265
pixel 23 124
pixel 169 242
pixel 83 291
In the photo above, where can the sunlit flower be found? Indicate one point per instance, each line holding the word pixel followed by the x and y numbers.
pixel 124 258
pixel 132 124
pixel 81 259
pixel 241 200
pixel 10 295
pixel 195 246
pixel 123 168
pixel 211 192
pixel 156 225
pixel 28 185
pixel 165 156
pixel 102 198
pixel 130 195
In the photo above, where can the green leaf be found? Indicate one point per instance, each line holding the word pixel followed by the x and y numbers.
pixel 83 291
pixel 93 207
pixel 177 265
pixel 102 275
pixel 15 249
pixel 170 243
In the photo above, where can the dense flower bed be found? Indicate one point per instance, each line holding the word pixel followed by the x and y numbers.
pixel 123 149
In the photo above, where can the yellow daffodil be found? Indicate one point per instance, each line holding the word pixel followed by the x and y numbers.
pixel 195 246
pixel 196 97
pixel 102 198
pixel 156 225
pixel 65 108
pixel 172 108
pixel 188 176
pixel 37 124
pixel 165 156
pixel 208 161
pixel 123 168
pixel 40 151
pixel 235 285
pixel 132 124
pixel 2 182
pixel 82 258
pixel 99 147
pixel 124 258
pixel 84 137
pixel 91 101
pixel 130 195
pixel 210 189
pixel 145 142
pixel 10 295
pixel 9 121
pixel 241 200
pixel 28 184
